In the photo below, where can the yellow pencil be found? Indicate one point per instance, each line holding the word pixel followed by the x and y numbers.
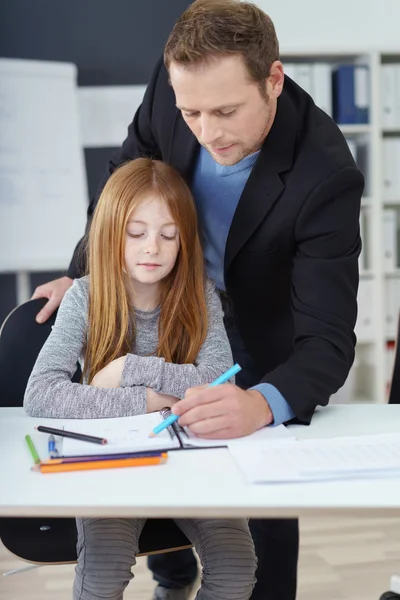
pixel 102 464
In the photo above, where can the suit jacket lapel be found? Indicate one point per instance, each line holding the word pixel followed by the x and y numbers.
pixel 264 185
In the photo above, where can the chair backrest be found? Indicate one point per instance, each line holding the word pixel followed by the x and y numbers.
pixel 54 539
pixel 394 394
pixel 21 339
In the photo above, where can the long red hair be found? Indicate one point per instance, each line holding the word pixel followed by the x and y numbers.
pixel 183 311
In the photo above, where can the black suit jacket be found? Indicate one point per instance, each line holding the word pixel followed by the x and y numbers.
pixel 291 261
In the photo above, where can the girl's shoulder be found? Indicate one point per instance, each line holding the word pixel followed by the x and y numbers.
pixel 79 291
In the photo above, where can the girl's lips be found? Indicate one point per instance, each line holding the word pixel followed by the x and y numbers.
pixel 149 265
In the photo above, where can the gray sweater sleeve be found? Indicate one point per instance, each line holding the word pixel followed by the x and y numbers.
pixel 50 392
pixel 215 357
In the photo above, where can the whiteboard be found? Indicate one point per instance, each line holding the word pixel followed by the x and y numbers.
pixel 43 188
pixel 105 112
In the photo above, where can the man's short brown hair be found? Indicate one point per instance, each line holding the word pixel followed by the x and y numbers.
pixel 212 28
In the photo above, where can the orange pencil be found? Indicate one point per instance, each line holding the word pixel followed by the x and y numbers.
pixel 102 464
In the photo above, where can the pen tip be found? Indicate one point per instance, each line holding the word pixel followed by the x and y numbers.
pixel 152 434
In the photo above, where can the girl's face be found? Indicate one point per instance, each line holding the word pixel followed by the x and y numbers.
pixel 152 243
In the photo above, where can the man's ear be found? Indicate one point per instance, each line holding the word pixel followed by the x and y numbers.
pixel 275 80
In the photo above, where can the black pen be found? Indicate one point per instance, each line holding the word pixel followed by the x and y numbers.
pixel 71 434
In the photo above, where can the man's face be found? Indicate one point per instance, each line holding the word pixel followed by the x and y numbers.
pixel 225 110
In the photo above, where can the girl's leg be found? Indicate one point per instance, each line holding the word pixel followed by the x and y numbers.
pixel 106 552
pixel 227 555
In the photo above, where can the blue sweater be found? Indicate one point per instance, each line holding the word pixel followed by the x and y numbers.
pixel 217 190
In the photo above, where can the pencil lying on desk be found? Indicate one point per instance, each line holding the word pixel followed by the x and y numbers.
pixel 32 450
pixel 96 457
pixel 101 464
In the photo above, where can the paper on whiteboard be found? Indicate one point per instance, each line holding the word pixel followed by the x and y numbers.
pixel 106 112
pixel 43 191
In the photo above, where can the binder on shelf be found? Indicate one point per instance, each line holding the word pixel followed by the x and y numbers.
pixel 389 116
pixel 392 306
pixel 315 79
pixel 389 240
pixel 290 70
pixel 391 170
pixel 365 325
pixel 322 86
pixel 351 94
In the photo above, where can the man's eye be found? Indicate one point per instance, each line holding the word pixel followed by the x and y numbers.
pixel 190 115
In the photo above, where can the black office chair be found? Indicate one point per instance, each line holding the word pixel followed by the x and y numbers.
pixel 394 398
pixel 52 540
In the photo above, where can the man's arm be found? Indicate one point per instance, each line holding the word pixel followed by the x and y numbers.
pixel 324 295
pixel 324 299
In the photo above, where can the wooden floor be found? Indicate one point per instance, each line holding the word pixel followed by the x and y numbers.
pixel 342 559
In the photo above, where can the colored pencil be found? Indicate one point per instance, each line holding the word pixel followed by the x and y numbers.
pixel 32 449
pixel 172 418
pixel 60 460
pixel 101 464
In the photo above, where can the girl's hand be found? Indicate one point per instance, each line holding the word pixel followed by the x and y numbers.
pixel 110 376
pixel 157 401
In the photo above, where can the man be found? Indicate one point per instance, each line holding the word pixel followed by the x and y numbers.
pixel 278 197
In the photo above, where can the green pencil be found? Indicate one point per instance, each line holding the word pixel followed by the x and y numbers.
pixel 32 449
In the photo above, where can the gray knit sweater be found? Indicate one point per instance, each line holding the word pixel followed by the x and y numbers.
pixel 50 392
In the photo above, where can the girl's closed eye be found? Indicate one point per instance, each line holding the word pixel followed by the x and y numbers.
pixel 134 234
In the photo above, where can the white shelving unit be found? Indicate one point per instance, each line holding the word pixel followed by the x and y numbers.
pixel 371 371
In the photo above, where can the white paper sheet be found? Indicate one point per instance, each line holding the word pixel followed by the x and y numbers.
pixel 124 434
pixel 374 456
pixel 130 434
pixel 280 432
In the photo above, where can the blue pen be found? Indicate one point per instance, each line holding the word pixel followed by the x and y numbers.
pixel 52 447
pixel 221 379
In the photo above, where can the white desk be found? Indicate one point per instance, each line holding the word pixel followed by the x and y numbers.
pixel 194 483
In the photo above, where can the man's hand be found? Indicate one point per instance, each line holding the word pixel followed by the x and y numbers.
pixel 110 375
pixel 54 291
pixel 224 411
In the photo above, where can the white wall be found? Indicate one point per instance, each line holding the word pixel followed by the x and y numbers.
pixel 336 24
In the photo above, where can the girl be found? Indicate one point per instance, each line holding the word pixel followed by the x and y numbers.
pixel 146 326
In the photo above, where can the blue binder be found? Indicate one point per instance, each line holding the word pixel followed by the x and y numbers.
pixel 345 109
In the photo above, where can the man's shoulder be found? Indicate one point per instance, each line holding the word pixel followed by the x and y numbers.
pixel 322 151
pixel 164 97
pixel 321 146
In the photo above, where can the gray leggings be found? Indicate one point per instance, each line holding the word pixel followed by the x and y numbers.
pixel 107 549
